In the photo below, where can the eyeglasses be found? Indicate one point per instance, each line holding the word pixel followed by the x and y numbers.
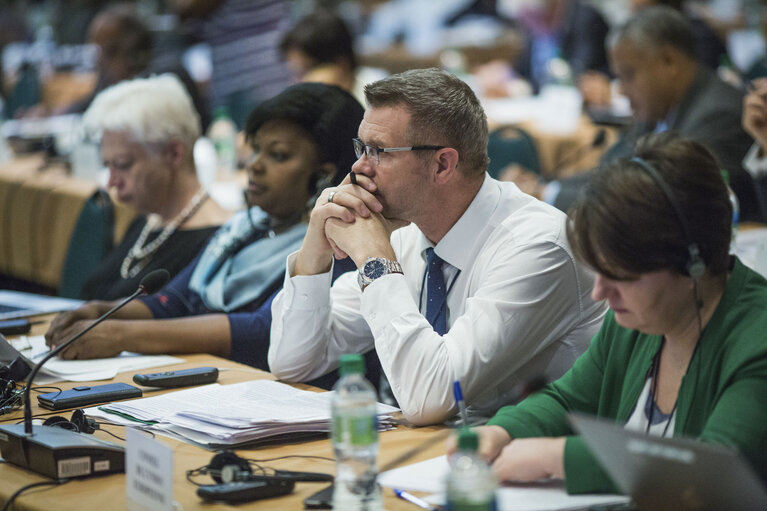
pixel 374 153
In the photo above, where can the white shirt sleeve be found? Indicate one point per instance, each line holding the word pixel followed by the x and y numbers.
pixel 305 342
pixel 755 162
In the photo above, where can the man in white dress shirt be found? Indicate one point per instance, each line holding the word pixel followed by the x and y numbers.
pixel 517 304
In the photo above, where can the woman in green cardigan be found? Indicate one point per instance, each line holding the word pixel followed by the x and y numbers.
pixel 683 350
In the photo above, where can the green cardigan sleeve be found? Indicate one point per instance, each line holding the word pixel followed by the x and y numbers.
pixel 544 414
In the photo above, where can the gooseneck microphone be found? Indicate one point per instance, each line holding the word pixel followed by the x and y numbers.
pixel 57 452
pixel 151 283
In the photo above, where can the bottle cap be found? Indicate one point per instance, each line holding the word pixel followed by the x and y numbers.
pixel 352 363
pixel 220 112
pixel 468 440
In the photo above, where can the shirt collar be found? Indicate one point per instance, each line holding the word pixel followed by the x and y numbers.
pixel 468 230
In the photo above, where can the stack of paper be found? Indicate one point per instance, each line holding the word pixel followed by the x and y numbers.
pixel 227 415
pixel 33 349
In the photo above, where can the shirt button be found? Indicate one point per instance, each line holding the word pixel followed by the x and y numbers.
pixel 372 315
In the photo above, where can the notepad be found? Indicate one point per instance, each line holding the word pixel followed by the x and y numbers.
pixel 430 475
pixel 33 348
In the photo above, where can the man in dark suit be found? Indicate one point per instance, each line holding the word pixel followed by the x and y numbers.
pixel 654 58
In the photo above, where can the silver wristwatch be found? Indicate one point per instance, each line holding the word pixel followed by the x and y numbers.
pixel 374 268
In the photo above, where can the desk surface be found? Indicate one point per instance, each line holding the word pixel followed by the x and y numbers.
pixel 93 493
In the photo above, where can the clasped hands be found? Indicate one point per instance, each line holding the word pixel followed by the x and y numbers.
pixel 351 224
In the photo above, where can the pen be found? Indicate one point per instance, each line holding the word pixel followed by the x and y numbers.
pixel 461 405
pixel 353 177
pixel 413 499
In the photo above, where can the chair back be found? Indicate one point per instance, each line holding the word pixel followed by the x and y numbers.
pixel 511 144
pixel 92 239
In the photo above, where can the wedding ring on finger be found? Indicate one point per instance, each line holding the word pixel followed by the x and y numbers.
pixel 331 195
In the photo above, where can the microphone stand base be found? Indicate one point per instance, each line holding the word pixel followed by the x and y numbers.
pixel 60 453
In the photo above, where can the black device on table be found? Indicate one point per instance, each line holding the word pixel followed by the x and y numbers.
pixel 245 491
pixel 323 499
pixel 87 395
pixel 180 378
pixel 15 326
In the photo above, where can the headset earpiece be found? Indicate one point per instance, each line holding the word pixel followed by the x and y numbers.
pixel 226 467
pixel 79 422
pixel 58 421
pixel 696 267
pixel 83 423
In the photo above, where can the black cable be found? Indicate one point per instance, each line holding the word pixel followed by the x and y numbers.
pixel 21 490
pixel 109 432
pixel 203 470
pixel 40 388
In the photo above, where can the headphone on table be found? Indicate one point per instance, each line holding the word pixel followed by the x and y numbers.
pixel 78 422
pixel 227 467
pixel 695 265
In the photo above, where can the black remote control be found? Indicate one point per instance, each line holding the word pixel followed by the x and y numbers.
pixel 245 491
pixel 181 378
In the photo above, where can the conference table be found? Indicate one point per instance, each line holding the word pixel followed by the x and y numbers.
pixel 109 491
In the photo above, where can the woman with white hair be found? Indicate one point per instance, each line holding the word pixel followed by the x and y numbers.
pixel 147 128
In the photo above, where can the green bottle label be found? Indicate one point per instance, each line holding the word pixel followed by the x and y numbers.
pixel 354 430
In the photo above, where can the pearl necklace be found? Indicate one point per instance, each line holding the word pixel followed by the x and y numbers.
pixel 142 254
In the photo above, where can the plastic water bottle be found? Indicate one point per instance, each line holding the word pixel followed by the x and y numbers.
pixel 355 439
pixel 735 209
pixel 471 484
pixel 223 134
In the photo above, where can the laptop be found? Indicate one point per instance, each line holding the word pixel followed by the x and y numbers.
pixel 15 304
pixel 672 473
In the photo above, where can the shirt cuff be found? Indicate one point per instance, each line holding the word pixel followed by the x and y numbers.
pixel 383 300
pixel 755 164
pixel 303 292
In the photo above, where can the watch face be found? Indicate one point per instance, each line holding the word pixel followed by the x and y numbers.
pixel 374 269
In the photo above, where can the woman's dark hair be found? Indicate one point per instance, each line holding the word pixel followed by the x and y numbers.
pixel 329 114
pixel 623 224
pixel 322 36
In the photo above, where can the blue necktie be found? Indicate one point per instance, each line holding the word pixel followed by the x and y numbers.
pixel 436 294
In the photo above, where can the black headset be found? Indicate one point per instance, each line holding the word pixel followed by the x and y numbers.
pixel 695 265
pixel 227 467
pixel 78 422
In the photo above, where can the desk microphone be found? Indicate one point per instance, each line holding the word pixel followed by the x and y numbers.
pixel 598 141
pixel 56 452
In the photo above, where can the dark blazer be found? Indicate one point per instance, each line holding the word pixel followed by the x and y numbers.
pixel 582 42
pixel 710 113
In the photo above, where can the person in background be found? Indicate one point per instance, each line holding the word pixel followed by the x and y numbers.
pixel 243 36
pixel 147 128
pixel 566 29
pixel 709 46
pixel 220 303
pixel 480 287
pixel 319 48
pixel 682 351
pixel 126 50
pixel 654 59
pixel 755 124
